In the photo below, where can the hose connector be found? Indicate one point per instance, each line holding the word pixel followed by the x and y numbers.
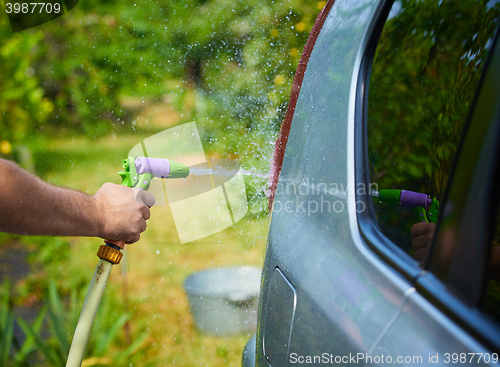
pixel 110 254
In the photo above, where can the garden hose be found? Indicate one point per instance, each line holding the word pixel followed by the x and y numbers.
pixel 138 173
pixel 109 254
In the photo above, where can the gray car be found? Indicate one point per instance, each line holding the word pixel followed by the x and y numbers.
pixel 384 234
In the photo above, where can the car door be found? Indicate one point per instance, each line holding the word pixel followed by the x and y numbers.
pixel 325 296
pixel 452 316
pixel 339 275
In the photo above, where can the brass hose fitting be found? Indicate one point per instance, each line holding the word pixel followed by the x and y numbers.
pixel 110 254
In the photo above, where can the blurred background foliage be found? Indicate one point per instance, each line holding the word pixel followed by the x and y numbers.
pixel 226 64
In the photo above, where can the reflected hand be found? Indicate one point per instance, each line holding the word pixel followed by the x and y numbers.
pixel 422 234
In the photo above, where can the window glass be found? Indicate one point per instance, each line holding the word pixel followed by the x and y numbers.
pixel 425 72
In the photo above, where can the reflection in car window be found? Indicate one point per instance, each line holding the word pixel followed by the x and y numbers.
pixel 426 69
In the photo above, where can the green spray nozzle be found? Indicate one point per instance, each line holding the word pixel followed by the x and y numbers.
pixel 139 171
pixel 412 199
pixel 390 196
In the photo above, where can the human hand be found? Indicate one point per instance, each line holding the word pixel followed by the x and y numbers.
pixel 422 234
pixel 123 212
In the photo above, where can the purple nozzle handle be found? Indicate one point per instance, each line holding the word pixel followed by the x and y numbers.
pixel 156 166
pixel 411 199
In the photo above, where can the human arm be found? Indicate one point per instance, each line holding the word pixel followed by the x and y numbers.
pixel 31 206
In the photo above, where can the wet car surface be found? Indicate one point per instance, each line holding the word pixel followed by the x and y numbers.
pixel 396 95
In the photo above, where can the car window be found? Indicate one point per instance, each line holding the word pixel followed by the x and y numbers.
pixel 425 72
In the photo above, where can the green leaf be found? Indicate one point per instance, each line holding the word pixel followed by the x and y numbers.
pixel 132 348
pixel 6 324
pixel 7 335
pixel 57 316
pixel 108 337
pixel 49 353
pixel 29 344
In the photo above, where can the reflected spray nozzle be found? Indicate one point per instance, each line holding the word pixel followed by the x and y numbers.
pixel 139 171
pixel 411 199
pixel 405 198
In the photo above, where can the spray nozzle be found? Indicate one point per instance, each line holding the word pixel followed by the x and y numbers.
pixel 139 171
pixel 405 198
pixel 411 199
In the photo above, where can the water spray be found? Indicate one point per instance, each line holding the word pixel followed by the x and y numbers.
pixel 427 208
pixel 138 173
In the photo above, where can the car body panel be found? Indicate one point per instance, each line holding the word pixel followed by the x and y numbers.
pixel 325 291
pixel 424 335
pixel 345 295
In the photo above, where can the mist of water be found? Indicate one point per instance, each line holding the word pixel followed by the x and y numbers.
pixel 221 171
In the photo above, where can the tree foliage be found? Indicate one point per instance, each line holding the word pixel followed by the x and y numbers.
pixel 227 64
pixel 23 105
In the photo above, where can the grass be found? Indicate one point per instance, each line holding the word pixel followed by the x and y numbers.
pixel 157 265
pixel 12 352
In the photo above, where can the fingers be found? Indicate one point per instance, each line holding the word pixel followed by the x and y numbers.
pixel 138 226
pixel 146 200
pixel 141 225
pixel 422 234
pixel 421 229
pixel 421 242
pixel 124 212
pixel 137 234
pixel 146 213
pixel 134 240
pixel 144 225
pixel 144 197
pixel 421 254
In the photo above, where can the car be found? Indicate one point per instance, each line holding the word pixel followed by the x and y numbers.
pixel 389 95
